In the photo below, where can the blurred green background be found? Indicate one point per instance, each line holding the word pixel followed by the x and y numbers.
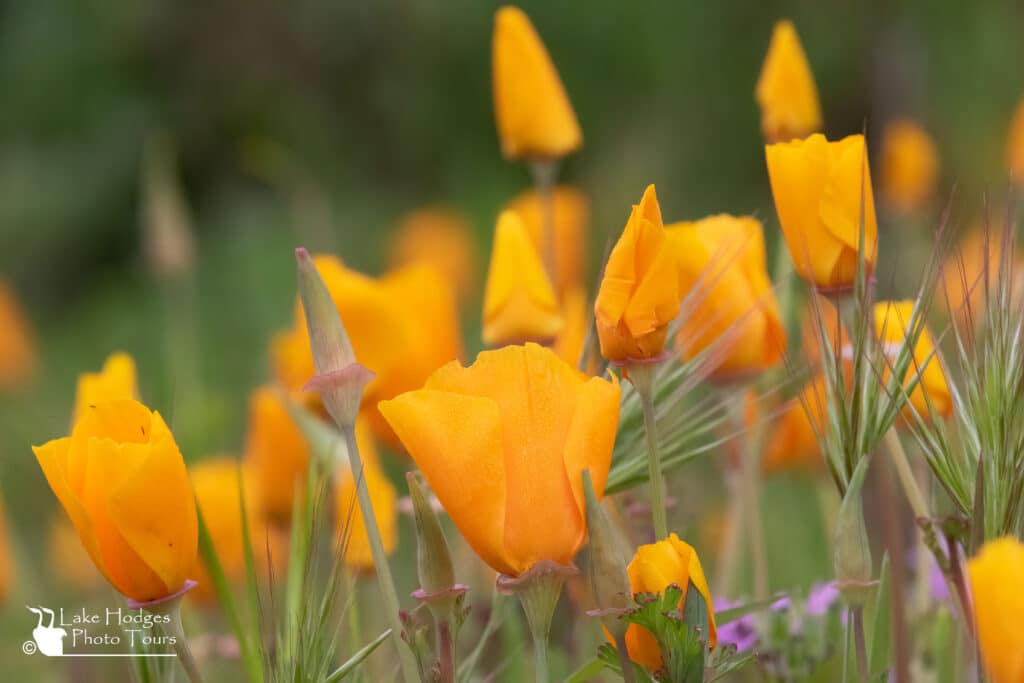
pixel 369 110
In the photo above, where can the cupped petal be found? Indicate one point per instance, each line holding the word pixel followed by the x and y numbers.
pixel 847 197
pixel 116 381
pixel 591 436
pixel 154 509
pixel 456 440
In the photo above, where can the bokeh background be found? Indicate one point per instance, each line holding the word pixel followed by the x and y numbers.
pixel 322 122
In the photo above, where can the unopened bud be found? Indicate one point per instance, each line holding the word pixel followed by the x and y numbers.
pixel 433 557
pixel 852 548
pixel 340 378
pixel 608 579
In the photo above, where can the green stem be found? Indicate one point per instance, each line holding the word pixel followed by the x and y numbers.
pixel 750 488
pixel 545 173
pixel 445 650
pixel 642 376
pixel 181 647
pixel 380 559
pixel 538 591
pixel 624 661
pixel 857 614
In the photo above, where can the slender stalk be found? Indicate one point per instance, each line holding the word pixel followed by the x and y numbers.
pixel 960 583
pixel 857 614
pixel 624 661
pixel 380 559
pixel 181 647
pixel 540 658
pixel 538 591
pixel 897 573
pixel 642 376
pixel 445 650
pixel 751 491
pixel 545 173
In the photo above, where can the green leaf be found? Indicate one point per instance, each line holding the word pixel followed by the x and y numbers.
pixel 355 660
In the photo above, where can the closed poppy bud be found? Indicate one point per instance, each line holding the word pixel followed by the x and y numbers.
pixel 519 303
pixel 276 453
pixel 654 568
pixel 1015 146
pixel 402 327
pixel 442 238
pixel 851 555
pixel 785 90
pixel 68 559
pixel 792 437
pixel 892 324
pixel 503 444
pixel 122 481
pixel 570 210
pixel 822 191
pixel 727 296
pixel 534 116
pixel 115 382
pixel 910 165
pixel 216 485
pixel 639 293
pixel 17 351
pixel 996 574
pixel 350 517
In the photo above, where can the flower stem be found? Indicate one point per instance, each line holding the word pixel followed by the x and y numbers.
pixel 380 559
pixel 624 661
pixel 538 591
pixel 857 615
pixel 642 377
pixel 545 173
pixel 445 650
pixel 181 647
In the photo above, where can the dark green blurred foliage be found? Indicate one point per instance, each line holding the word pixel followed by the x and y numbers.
pixel 380 107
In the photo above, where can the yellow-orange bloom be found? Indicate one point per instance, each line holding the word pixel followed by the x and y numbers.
pixel 442 238
pixel 403 326
pixel 519 302
pixel 639 293
pixel 820 188
pixel 818 312
pixel 6 559
pixel 383 496
pixel 122 481
pixel 1015 145
pixel 534 116
pixel 503 444
pixel 654 568
pixel 892 322
pixel 785 90
pixel 68 559
pixel 276 453
pixel 115 382
pixel 571 213
pixel 996 575
pixel 727 296
pixel 792 437
pixel 17 351
pixel 215 482
pixel 910 165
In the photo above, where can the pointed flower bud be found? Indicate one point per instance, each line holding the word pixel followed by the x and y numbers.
pixel 639 293
pixel 570 209
pixel 340 378
pixel 852 549
pixel 534 116
pixel 433 557
pixel 167 230
pixel 608 579
pixel 785 90
pixel 17 345
pixel 519 301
